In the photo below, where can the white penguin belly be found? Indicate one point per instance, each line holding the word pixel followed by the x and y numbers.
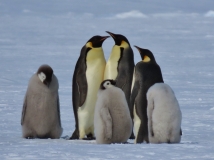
pixel 112 64
pixel 94 74
pixel 137 123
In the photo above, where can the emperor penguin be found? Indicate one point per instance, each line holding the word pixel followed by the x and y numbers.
pixel 41 108
pixel 147 73
pixel 112 120
pixel 164 115
pixel 87 77
pixel 120 66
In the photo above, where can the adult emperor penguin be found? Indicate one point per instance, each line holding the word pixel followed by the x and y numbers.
pixel 112 120
pixel 41 109
pixel 120 66
pixel 164 115
pixel 88 75
pixel 147 72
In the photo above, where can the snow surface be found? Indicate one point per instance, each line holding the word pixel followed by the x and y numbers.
pixel 179 33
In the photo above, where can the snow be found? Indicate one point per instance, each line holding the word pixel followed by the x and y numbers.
pixel 130 14
pixel 178 33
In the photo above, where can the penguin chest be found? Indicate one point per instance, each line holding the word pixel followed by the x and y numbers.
pixel 94 74
pixel 42 111
pixel 95 62
pixel 111 70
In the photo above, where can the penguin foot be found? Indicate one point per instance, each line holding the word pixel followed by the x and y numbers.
pixel 29 137
pixel 75 135
pixel 89 138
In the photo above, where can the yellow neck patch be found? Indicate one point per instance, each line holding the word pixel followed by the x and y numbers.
pixel 94 54
pixel 89 45
pixel 146 59
pixel 124 44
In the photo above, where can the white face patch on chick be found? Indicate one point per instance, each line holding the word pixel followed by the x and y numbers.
pixel 42 76
pixel 107 84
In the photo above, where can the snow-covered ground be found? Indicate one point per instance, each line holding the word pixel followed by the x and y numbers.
pixel 179 33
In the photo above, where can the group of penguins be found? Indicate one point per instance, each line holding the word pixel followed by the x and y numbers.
pixel 112 102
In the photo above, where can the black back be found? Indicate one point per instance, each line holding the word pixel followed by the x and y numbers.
pixel 125 71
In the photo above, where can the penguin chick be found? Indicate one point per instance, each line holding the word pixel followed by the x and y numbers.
pixel 41 109
pixel 88 75
pixel 164 115
pixel 112 120
pixel 147 72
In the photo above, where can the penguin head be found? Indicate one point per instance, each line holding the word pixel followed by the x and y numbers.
pixel 119 40
pixel 45 73
pixel 107 84
pixel 146 55
pixel 96 41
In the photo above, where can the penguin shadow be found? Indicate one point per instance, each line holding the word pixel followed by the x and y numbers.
pixel 65 137
pixel 123 143
pixel 68 138
pixel 188 142
pixel 90 140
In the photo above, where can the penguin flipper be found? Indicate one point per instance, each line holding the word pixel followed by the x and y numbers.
pixel 107 121
pixel 79 94
pixel 82 85
pixel 58 110
pixel 24 110
pixel 150 109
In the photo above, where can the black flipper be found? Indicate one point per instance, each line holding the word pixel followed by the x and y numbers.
pixel 82 85
pixel 79 88
pixel 24 109
pixel 58 110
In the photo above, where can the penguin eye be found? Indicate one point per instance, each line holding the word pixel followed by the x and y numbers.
pixel 107 83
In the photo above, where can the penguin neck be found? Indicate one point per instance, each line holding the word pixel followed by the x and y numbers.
pixel 124 45
pixel 115 54
pixel 94 54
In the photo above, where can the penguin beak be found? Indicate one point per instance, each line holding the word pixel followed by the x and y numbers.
pixel 111 34
pixel 138 48
pixel 140 51
pixel 104 38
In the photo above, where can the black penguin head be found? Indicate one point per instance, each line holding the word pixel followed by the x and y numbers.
pixel 146 55
pixel 107 84
pixel 119 39
pixel 96 41
pixel 45 73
